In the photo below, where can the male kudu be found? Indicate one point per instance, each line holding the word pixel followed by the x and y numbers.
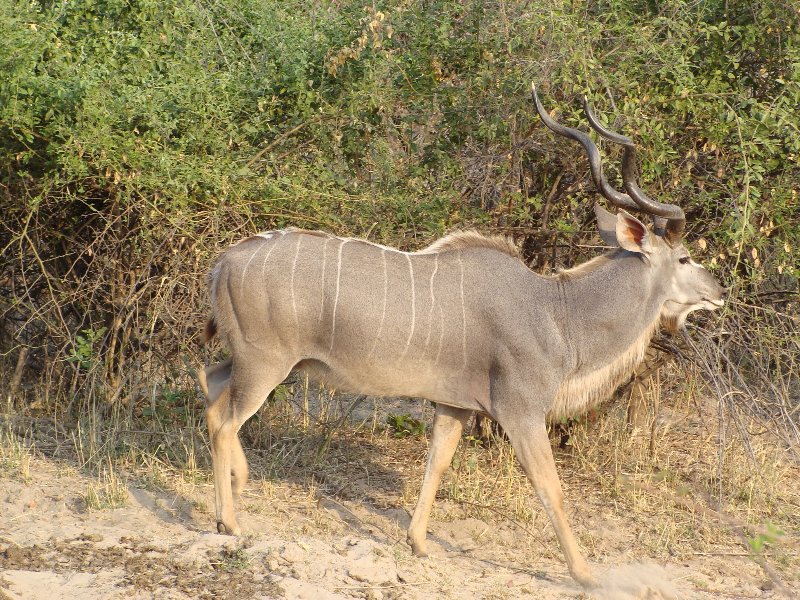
pixel 463 323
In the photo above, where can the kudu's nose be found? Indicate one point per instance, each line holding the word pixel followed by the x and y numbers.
pixel 721 295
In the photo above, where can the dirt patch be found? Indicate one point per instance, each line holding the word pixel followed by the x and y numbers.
pixel 141 567
pixel 338 532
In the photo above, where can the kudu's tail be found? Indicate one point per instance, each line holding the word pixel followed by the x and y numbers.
pixel 214 379
pixel 209 331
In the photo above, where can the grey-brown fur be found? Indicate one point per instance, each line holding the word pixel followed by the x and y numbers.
pixel 463 323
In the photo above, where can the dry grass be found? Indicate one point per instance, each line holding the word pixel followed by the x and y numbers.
pixel 15 454
pixel 109 491
pixel 699 480
pixel 691 472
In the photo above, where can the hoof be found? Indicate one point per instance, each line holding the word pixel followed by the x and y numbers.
pixel 586 581
pixel 418 550
pixel 224 530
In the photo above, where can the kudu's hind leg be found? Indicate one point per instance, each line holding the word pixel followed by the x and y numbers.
pixel 249 385
pixel 532 447
pixel 215 383
pixel 448 423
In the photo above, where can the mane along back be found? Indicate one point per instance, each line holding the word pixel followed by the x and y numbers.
pixel 459 240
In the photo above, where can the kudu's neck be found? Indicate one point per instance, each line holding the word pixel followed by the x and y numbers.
pixel 613 304
pixel 611 312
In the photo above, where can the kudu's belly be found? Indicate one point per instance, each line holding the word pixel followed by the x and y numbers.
pixel 463 390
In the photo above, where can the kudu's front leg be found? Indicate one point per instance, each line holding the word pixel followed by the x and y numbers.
pixel 448 423
pixel 532 446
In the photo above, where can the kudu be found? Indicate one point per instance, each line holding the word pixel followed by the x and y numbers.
pixel 463 323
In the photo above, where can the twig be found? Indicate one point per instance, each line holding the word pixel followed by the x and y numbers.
pixel 505 515
pixel 339 422
pixel 276 141
pixel 380 587
pixel 359 519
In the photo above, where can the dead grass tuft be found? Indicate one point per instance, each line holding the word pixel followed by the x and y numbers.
pixel 15 455
pixel 109 491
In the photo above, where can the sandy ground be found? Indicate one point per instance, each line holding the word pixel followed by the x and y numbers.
pixel 303 544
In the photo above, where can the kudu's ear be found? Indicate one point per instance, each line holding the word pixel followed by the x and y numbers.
pixel 632 235
pixel 606 225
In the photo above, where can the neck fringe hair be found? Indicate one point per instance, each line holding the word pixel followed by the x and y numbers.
pixel 581 391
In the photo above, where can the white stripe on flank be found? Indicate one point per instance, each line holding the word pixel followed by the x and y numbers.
pixel 441 335
pixel 244 271
pixel 413 308
pixel 294 268
pixel 433 301
pixel 336 298
pixel 266 258
pixel 385 298
pixel 463 314
pixel 324 264
pixel 264 235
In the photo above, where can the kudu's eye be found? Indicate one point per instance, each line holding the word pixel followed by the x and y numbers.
pixel 684 260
